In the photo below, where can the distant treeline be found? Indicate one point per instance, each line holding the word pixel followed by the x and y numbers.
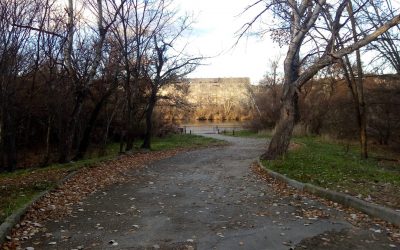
pixel 327 108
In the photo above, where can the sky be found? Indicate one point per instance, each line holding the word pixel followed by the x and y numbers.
pixel 214 35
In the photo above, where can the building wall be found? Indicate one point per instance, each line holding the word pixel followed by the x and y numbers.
pixel 212 99
pixel 220 98
pixel 206 91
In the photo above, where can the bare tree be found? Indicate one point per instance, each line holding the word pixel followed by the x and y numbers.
pixel 82 64
pixel 354 79
pixel 135 26
pixel 310 28
pixel 386 45
pixel 168 64
pixel 272 85
pixel 109 70
pixel 16 51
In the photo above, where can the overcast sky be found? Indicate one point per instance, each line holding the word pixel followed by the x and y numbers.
pixel 213 34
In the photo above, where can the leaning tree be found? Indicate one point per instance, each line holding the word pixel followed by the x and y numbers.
pixel 310 28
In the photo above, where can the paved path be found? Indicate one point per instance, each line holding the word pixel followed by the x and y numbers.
pixel 204 199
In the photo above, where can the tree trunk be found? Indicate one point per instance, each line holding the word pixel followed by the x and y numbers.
pixel 283 130
pixel 107 129
pixel 363 132
pixel 360 89
pixel 149 121
pixel 361 109
pixel 10 142
pixel 129 137
pixel 84 144
pixel 2 124
pixel 289 112
pixel 129 122
pixel 354 86
pixel 68 138
pixel 48 134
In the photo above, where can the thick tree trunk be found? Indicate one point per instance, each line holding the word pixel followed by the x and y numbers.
pixel 149 121
pixel 289 113
pixel 283 130
pixel 129 132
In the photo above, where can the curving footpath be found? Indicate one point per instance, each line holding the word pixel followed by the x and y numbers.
pixel 203 199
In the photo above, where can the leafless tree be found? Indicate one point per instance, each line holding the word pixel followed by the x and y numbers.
pixel 386 45
pixel 310 29
pixel 82 60
pixel 354 79
pixel 135 26
pixel 16 52
pixel 168 63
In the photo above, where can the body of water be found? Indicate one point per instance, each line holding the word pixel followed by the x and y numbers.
pixel 212 127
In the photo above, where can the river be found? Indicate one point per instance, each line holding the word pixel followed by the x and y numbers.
pixel 212 127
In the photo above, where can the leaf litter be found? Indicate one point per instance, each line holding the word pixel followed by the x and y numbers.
pixel 59 202
pixel 353 216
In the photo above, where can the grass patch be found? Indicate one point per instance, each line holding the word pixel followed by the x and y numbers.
pixel 19 187
pixel 340 168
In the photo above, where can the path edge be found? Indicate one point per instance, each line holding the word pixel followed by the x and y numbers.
pixel 385 213
pixel 13 219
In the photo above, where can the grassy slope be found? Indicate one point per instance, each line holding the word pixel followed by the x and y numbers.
pixel 339 167
pixel 334 166
pixel 19 187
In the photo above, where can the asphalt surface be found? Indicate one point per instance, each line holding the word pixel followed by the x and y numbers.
pixel 203 199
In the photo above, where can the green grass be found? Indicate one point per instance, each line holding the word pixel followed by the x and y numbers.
pixel 19 187
pixel 15 196
pixel 14 202
pixel 182 141
pixel 338 167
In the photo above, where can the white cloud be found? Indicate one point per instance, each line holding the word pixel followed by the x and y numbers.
pixel 214 35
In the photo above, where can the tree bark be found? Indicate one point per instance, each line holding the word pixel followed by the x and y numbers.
pixel 360 90
pixel 81 85
pixel 293 81
pixel 149 120
pixel 84 144
pixel 279 143
pixel 129 127
pixel 68 138
pixel 46 159
pixel 10 142
pixel 289 113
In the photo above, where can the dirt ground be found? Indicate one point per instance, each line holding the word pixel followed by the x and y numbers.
pixel 204 199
